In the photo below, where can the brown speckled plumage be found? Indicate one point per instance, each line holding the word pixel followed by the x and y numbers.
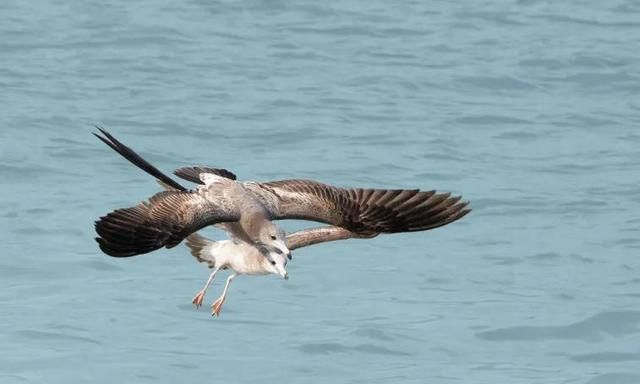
pixel 365 211
pixel 170 216
pixel 164 220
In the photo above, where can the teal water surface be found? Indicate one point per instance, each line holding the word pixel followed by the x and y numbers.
pixel 528 108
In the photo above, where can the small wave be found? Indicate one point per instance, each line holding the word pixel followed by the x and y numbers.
pixel 606 357
pixel 327 348
pixel 617 323
pixel 52 336
pixel 615 378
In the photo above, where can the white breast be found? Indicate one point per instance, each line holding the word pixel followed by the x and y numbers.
pixel 241 257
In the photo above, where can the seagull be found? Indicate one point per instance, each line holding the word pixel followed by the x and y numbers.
pixel 170 216
pixel 245 210
pixel 244 259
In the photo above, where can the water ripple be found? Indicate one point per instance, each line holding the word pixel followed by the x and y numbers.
pixel 55 337
pixel 328 348
pixel 615 378
pixel 606 357
pixel 617 324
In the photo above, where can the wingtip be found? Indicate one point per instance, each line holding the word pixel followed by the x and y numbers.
pixel 109 139
pixel 104 140
pixel 134 158
pixel 466 205
pixel 103 131
pixel 100 129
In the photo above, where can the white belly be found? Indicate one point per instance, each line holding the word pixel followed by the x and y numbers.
pixel 241 257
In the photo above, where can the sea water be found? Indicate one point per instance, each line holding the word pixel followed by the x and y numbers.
pixel 529 109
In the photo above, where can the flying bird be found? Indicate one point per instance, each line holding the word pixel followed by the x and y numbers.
pixel 243 258
pixel 245 210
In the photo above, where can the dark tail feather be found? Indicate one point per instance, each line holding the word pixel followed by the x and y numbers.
pixel 136 159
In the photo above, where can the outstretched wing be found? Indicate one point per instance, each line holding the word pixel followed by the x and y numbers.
pixel 163 221
pixel 364 211
pixel 311 236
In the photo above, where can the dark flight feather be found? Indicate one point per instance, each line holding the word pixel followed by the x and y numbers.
pixel 365 211
pixel 136 159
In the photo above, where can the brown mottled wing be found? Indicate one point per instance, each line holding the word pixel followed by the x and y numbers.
pixel 312 236
pixel 193 173
pixel 365 211
pixel 163 221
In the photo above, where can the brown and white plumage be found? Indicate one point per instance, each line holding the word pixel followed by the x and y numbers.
pixel 168 217
pixel 364 210
pixel 244 210
pixel 360 210
pixel 164 220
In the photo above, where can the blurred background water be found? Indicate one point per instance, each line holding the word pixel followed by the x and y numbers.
pixel 529 108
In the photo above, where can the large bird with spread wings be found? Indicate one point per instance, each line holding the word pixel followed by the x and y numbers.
pixel 245 210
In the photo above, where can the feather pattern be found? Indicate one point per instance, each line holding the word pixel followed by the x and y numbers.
pixel 170 216
pixel 163 221
pixel 311 236
pixel 365 211
pixel 193 173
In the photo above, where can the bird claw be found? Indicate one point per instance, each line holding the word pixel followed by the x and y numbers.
pixel 216 307
pixel 198 299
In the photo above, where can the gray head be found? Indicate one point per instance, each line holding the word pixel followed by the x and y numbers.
pixel 274 239
pixel 264 233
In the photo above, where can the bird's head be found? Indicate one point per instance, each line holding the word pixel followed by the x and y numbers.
pixel 276 263
pixel 274 239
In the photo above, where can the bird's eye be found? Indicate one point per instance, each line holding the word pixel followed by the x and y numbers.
pixel 273 263
pixel 273 237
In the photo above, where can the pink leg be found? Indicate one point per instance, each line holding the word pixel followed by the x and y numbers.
pixel 216 307
pixel 199 297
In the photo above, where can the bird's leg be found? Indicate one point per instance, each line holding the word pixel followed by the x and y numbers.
pixel 216 307
pixel 199 297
